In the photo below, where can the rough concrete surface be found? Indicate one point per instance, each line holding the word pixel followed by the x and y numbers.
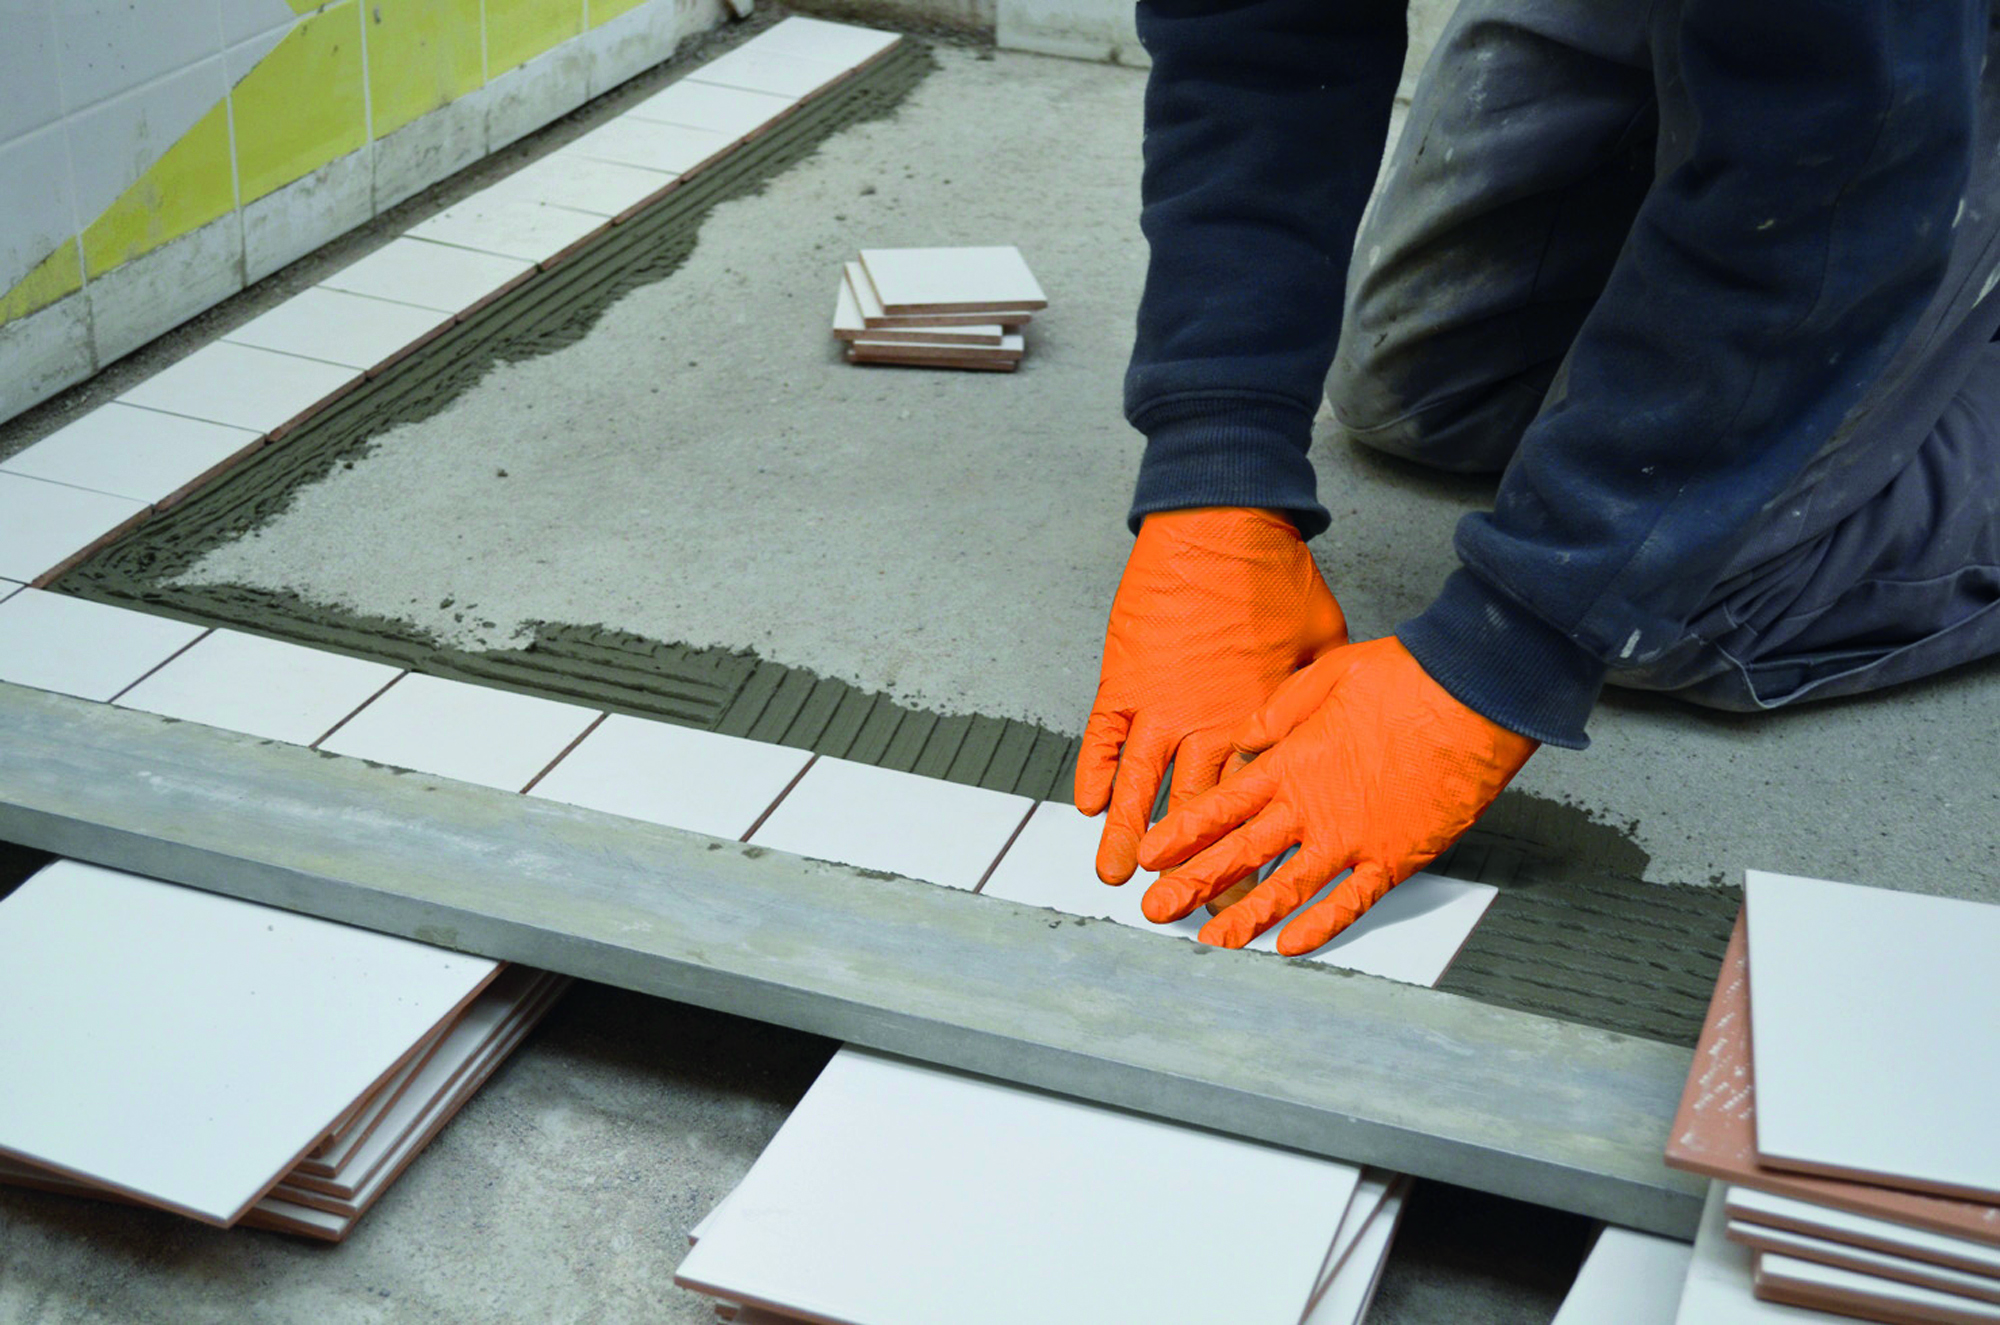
pixel 703 468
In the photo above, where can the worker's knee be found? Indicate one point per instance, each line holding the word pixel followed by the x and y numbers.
pixel 1468 430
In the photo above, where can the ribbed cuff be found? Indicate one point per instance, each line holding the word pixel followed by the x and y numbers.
pixel 1505 663
pixel 1222 451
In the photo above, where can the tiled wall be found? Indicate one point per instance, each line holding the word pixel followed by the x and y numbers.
pixel 158 155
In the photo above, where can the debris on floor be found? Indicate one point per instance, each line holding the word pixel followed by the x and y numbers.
pixel 1845 1116
pixel 937 307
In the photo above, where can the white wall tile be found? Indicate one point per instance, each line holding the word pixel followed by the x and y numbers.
pixel 263 687
pixel 673 775
pixel 147 295
pixel 294 219
pixel 244 19
pixel 351 329
pixel 473 733
pixel 1075 29
pixel 427 149
pixel 633 142
pixel 112 46
pixel 510 227
pixel 640 38
pixel 880 819
pixel 30 95
pixel 40 211
pixel 436 276
pixel 604 188
pixel 114 142
pixel 45 351
pixel 52 641
pixel 43 524
pixel 240 386
pixel 131 452
pixel 526 97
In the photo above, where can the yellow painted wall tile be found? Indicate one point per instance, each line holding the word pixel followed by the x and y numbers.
pixel 189 186
pixel 60 273
pixel 302 105
pixel 519 30
pixel 421 54
pixel 602 11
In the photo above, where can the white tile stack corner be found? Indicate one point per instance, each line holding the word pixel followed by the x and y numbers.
pixel 937 307
pixel 898 1193
pixel 1841 1102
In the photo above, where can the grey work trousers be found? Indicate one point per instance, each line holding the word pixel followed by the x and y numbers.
pixel 1536 129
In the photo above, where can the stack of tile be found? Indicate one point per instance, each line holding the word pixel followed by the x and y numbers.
pixel 899 1193
pixel 287 1069
pixel 937 307
pixel 1856 1161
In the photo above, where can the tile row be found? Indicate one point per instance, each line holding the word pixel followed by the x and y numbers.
pixel 957 836
pixel 87 482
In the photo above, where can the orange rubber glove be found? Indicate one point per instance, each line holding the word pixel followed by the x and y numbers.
pixel 1366 764
pixel 1218 605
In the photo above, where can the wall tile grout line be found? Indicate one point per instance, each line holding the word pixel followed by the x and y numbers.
pixel 161 663
pixel 563 753
pixel 328 734
pixel 778 800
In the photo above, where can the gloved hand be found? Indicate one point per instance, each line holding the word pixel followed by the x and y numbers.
pixel 1365 763
pixel 1218 605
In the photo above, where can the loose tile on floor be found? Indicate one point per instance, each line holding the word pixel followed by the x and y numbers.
pixel 473 733
pixel 241 386
pixel 412 271
pixel 73 646
pixel 511 227
pixel 139 454
pixel 647 143
pixel 351 329
pixel 262 687
pixel 602 188
pixel 43 524
pixel 673 775
pixel 727 110
pixel 880 819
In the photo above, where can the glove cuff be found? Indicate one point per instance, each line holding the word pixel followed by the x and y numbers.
pixel 1505 663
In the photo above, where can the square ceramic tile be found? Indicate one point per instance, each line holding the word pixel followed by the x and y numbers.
pixel 130 452
pixel 633 142
pixel 263 687
pixel 73 646
pixel 674 775
pixel 1412 934
pixel 241 386
pixel 879 819
pixel 473 733
pixel 778 75
pixel 1629 1278
pixel 725 110
pixel 972 279
pixel 43 524
pixel 843 44
pixel 410 271
pixel 350 329
pixel 511 227
pixel 8 588
pixel 1721 1278
pixel 603 188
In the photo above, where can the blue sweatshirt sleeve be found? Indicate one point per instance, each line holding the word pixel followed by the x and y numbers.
pixel 1265 123
pixel 1767 281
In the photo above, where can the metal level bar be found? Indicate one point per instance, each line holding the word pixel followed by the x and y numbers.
pixel 1295 1054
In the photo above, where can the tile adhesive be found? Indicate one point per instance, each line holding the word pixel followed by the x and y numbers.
pixel 1575 933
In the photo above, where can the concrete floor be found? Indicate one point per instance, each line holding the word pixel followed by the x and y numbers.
pixel 951 538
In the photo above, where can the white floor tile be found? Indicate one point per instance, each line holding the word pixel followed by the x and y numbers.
pixel 1629 1278
pixel 972 1180
pixel 410 271
pixel 1721 1277
pixel 1412 934
pixel 915 280
pixel 843 44
pixel 73 646
pixel 879 819
pixel 239 1031
pixel 647 143
pixel 603 188
pixel 338 327
pixel 8 588
pixel 779 75
pixel 42 524
pixel 1886 1235
pixel 510 227
pixel 473 733
pixel 265 687
pixel 1888 1002
pixel 241 386
pixel 139 454
pixel 1865 1295
pixel 1861 1260
pixel 1344 1297
pixel 726 110
pixel 674 775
